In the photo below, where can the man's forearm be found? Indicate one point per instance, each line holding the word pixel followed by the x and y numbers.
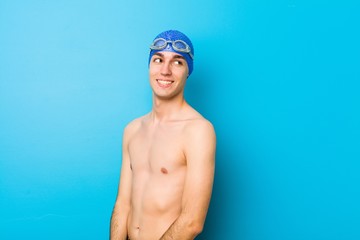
pixel 118 229
pixel 182 229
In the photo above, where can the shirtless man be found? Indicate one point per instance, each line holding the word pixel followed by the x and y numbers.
pixel 168 155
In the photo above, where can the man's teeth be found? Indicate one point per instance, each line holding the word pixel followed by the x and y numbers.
pixel 164 82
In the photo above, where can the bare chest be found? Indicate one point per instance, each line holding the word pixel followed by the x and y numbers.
pixel 158 150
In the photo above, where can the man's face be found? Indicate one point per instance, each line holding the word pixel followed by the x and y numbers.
pixel 168 72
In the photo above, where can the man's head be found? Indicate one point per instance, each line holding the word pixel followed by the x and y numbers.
pixel 174 41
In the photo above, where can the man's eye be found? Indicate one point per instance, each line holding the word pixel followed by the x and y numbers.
pixel 157 60
pixel 178 63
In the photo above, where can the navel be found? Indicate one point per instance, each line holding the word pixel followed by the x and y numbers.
pixel 164 170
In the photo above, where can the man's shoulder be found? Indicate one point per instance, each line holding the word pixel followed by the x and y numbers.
pixel 197 122
pixel 134 126
pixel 199 125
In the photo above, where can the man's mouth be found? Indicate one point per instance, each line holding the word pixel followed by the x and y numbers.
pixel 164 83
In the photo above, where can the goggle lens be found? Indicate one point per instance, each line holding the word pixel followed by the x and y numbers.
pixel 180 45
pixel 160 43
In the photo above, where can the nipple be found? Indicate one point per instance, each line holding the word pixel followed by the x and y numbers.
pixel 164 170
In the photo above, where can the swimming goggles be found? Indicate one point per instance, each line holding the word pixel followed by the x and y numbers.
pixel 177 45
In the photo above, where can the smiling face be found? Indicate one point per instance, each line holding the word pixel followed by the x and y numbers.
pixel 168 72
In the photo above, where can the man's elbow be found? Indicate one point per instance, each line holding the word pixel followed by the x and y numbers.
pixel 196 227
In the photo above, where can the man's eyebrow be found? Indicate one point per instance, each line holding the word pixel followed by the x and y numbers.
pixel 179 56
pixel 159 54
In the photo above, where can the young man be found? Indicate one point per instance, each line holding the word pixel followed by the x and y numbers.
pixel 168 155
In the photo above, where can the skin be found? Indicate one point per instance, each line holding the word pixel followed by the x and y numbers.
pixel 168 162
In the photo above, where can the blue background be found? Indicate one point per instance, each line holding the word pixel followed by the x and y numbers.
pixel 278 79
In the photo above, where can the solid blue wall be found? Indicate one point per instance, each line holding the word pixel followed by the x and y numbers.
pixel 278 79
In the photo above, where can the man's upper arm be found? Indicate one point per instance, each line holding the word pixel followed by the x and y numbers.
pixel 200 156
pixel 124 190
pixel 119 216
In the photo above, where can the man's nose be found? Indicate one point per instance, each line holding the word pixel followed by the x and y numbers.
pixel 166 69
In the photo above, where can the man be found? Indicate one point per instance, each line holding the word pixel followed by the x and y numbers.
pixel 168 155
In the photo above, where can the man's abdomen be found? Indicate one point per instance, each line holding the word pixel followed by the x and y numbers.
pixel 156 204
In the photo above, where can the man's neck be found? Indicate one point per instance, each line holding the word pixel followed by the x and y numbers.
pixel 169 109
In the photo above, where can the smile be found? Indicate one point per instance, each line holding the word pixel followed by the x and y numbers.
pixel 164 83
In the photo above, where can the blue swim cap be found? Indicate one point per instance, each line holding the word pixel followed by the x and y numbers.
pixel 173 35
